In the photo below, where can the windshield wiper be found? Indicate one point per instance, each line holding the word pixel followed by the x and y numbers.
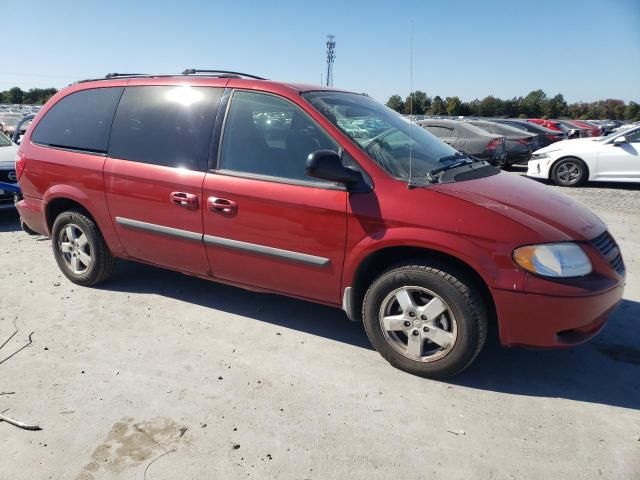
pixel 434 174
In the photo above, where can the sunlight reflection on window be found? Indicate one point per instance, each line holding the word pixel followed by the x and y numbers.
pixel 184 95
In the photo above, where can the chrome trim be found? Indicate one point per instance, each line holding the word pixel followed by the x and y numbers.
pixel 264 250
pixel 224 242
pixel 162 230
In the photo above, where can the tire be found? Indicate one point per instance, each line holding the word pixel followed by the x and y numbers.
pixel 74 234
pixel 463 320
pixel 25 228
pixel 569 172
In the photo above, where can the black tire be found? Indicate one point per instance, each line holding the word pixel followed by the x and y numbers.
pixel 569 172
pixel 101 262
pixel 25 228
pixel 460 296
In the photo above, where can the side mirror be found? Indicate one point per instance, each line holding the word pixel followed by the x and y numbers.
pixel 618 141
pixel 327 165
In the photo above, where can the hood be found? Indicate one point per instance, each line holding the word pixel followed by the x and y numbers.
pixel 574 143
pixel 8 157
pixel 551 214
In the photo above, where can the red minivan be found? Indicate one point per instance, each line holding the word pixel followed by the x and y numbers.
pixel 322 195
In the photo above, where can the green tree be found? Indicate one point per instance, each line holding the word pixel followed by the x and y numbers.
pixel 555 107
pixel 532 104
pixel 417 103
pixel 395 103
pixel 15 95
pixel 632 111
pixel 453 106
pixel 437 106
pixel 490 107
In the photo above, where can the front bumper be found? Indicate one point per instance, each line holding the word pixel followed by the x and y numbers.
pixel 539 168
pixel 546 321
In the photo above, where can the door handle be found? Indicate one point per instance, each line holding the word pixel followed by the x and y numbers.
pixel 222 205
pixel 183 199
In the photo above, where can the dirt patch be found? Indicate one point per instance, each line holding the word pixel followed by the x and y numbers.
pixel 130 443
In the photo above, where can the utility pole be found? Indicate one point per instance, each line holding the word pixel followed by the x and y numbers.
pixel 331 56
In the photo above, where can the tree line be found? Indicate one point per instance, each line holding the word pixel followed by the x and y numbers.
pixel 535 105
pixel 34 96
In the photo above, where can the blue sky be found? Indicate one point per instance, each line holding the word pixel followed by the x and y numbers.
pixel 586 50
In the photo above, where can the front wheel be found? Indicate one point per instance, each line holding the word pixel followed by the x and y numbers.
pixel 426 320
pixel 569 172
pixel 80 250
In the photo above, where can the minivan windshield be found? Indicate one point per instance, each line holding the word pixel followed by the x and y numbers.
pixel 386 136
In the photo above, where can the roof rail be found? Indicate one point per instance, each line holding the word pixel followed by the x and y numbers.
pixel 189 71
pixel 115 75
pixel 194 71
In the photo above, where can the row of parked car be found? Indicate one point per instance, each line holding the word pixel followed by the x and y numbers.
pixel 507 141
pixel 11 116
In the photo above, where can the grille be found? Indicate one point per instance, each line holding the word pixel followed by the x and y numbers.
pixel 4 176
pixel 606 245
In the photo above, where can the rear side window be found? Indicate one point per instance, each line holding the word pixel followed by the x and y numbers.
pixel 165 125
pixel 80 121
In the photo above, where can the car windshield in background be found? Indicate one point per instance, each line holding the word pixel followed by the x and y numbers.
pixel 383 134
pixel 4 141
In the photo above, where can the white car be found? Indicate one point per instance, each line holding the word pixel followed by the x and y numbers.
pixel 614 158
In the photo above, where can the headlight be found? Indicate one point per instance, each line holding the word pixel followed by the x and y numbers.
pixel 553 260
pixel 539 156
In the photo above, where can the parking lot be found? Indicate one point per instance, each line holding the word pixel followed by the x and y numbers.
pixel 161 376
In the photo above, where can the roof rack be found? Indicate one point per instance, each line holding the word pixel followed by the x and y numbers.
pixel 116 75
pixel 194 71
pixel 188 71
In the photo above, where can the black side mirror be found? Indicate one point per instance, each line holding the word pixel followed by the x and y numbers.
pixel 327 165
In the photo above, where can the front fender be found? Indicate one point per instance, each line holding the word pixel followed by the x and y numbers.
pixel 491 260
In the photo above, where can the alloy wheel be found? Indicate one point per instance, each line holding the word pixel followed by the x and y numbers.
pixel 569 173
pixel 418 323
pixel 75 249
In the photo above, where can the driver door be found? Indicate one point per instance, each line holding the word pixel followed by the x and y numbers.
pixel 620 161
pixel 266 223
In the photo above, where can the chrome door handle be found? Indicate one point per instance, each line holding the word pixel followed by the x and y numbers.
pixel 222 205
pixel 183 199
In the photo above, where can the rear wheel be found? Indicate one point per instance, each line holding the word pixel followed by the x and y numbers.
pixel 80 250
pixel 425 319
pixel 569 172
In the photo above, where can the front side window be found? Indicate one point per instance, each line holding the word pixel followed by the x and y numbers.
pixel 80 121
pixel 386 136
pixel 267 135
pixel 165 125
pixel 633 137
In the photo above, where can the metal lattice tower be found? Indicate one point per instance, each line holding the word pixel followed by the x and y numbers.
pixel 331 56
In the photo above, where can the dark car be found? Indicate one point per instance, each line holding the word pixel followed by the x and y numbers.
pixel 323 195
pixel 468 139
pixel 546 136
pixel 520 144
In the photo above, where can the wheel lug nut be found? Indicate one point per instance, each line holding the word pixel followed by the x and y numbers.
pixel 423 317
pixel 407 323
pixel 412 314
pixel 426 329
pixel 415 332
